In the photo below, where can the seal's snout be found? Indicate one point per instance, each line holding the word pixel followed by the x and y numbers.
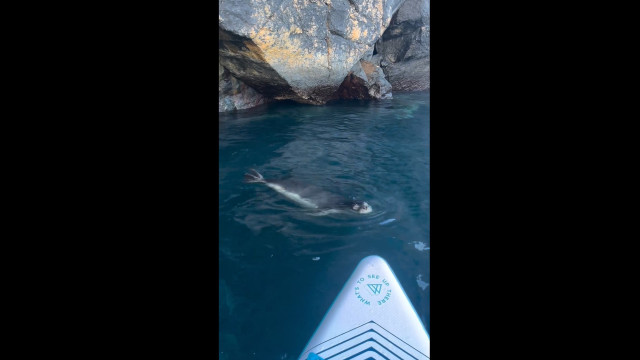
pixel 366 208
pixel 361 207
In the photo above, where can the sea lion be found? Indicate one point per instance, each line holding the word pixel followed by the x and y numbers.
pixel 310 197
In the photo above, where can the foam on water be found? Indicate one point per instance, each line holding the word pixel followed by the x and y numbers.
pixel 420 246
pixel 423 285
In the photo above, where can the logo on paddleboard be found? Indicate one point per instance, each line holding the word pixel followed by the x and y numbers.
pixel 376 292
pixel 375 288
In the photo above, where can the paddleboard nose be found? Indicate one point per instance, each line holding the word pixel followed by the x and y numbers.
pixel 371 315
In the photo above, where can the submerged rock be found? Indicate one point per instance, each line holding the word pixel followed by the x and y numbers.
pixel 302 49
pixel 403 50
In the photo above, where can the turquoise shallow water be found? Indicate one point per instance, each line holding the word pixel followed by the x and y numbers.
pixel 280 266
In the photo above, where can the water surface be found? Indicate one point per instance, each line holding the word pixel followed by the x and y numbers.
pixel 280 266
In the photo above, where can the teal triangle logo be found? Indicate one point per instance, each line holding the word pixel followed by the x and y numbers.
pixel 376 288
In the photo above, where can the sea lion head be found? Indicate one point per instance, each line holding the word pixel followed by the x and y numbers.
pixel 361 207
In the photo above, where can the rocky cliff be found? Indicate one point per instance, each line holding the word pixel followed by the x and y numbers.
pixel 403 50
pixel 313 51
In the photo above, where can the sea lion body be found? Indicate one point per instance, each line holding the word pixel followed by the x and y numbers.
pixel 309 196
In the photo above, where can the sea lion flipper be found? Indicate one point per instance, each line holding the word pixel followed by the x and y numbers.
pixel 253 178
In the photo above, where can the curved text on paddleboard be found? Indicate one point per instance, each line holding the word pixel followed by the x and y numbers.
pixel 372 289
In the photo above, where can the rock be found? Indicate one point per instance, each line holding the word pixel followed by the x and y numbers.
pixel 404 47
pixel 377 84
pixel 233 94
pixel 300 49
pixel 365 81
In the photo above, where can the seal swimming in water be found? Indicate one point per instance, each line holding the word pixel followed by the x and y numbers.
pixel 310 197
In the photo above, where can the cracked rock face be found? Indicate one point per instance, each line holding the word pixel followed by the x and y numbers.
pixel 299 49
pixel 403 50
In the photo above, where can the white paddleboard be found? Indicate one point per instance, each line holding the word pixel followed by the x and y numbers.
pixel 372 318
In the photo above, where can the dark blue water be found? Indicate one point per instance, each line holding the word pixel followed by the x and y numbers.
pixel 274 290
